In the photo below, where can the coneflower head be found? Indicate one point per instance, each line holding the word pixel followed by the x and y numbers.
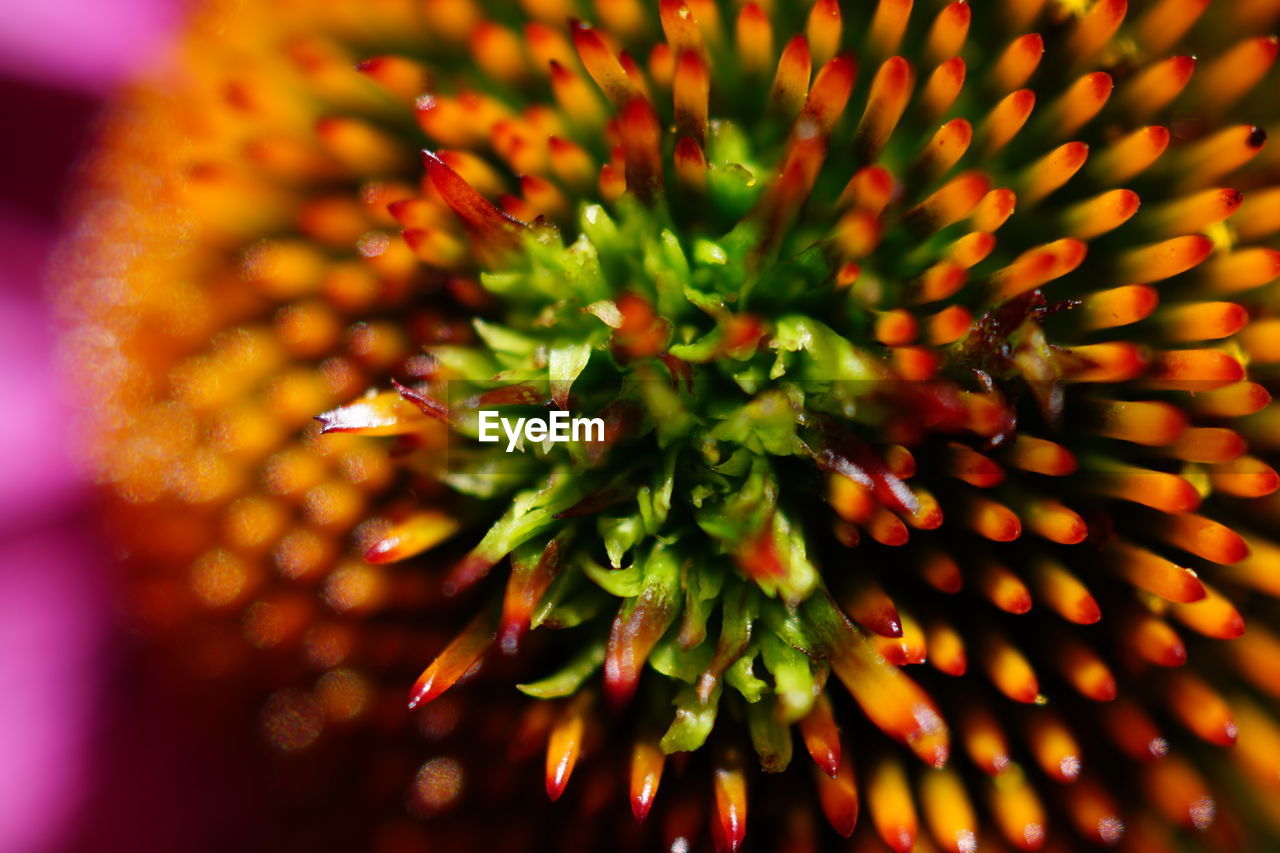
pixel 905 336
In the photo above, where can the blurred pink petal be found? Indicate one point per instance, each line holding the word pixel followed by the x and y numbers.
pixel 51 625
pixel 33 434
pixel 83 44
pixel 52 595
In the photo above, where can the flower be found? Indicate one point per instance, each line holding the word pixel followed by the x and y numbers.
pixel 898 325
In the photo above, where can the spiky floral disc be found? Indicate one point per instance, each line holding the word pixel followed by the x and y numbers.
pixel 886 352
